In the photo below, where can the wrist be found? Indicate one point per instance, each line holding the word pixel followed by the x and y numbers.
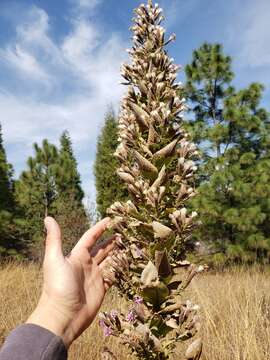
pixel 49 316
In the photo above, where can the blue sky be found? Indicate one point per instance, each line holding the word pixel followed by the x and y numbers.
pixel 60 61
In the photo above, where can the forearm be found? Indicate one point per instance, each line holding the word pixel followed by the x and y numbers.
pixel 32 342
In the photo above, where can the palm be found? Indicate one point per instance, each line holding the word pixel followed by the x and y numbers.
pixel 89 289
pixel 76 283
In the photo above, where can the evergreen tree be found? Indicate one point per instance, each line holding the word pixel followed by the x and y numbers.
pixel 6 183
pixel 8 243
pixel 233 133
pixel 51 186
pixel 68 178
pixel 36 189
pixel 70 211
pixel 208 84
pixel 108 186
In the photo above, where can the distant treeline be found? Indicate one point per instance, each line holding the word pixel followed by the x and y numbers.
pixel 232 133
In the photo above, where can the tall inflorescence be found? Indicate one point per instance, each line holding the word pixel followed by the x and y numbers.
pixel 149 266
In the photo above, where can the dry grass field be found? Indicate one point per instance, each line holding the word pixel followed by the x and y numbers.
pixel 235 306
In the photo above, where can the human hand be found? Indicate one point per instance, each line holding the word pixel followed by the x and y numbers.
pixel 73 287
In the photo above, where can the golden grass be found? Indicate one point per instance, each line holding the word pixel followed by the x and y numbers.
pixel 236 310
pixel 235 306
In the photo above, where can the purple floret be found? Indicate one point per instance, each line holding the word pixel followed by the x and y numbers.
pixel 107 330
pixel 131 316
pixel 138 300
pixel 114 314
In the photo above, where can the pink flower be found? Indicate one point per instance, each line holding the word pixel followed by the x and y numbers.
pixel 114 314
pixel 137 299
pixel 107 330
pixel 131 316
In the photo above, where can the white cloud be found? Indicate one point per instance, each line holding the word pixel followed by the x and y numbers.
pixel 82 5
pixel 32 49
pixel 35 28
pixel 89 4
pixel 250 33
pixel 95 60
pixel 84 60
pixel 77 47
pixel 23 61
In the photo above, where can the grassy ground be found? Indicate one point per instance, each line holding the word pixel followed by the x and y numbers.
pixel 235 306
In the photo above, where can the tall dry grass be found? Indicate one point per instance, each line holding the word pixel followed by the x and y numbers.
pixel 235 306
pixel 236 309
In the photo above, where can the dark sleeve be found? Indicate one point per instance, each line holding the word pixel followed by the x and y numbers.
pixel 32 342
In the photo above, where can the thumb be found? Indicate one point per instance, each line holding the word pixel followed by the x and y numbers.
pixel 53 239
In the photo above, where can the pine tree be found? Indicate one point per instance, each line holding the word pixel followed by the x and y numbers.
pixel 52 186
pixel 208 84
pixel 68 178
pixel 6 183
pixel 36 190
pixel 109 187
pixel 69 208
pixel 156 165
pixel 233 133
pixel 8 243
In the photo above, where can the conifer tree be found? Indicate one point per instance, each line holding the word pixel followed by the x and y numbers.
pixel 69 208
pixel 233 133
pixel 36 189
pixel 8 243
pixel 52 186
pixel 68 178
pixel 156 164
pixel 6 183
pixel 109 187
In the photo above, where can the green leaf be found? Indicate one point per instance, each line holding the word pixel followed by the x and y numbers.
pixel 155 294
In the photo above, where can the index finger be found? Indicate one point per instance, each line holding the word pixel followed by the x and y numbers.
pixel 90 237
